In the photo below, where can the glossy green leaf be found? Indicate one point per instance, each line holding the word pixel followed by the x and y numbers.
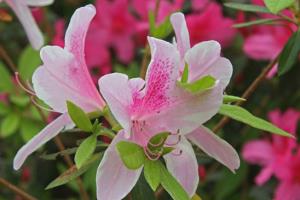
pixel 79 117
pixel 247 7
pixel 131 154
pixel 240 114
pixel 9 124
pixel 6 84
pixel 275 6
pixel 255 22
pixel 152 173
pixel 289 54
pixel 28 62
pixel 171 185
pixel 73 172
pixel 85 150
pixel 185 74
pixel 200 85
pixel 232 99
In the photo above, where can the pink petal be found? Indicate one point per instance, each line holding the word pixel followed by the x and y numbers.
pixel 61 78
pixel 264 175
pixel 287 191
pixel 124 48
pixel 114 180
pixel 181 31
pixel 258 152
pixel 117 92
pixel 215 147
pixel 204 59
pixel 49 132
pixel 184 166
pixel 24 14
pixel 38 2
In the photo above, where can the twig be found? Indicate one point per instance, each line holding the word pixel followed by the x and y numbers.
pixel 57 140
pixel 147 47
pixel 248 92
pixel 16 190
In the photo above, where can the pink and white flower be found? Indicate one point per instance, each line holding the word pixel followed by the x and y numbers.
pixel 22 10
pixel 64 77
pixel 159 104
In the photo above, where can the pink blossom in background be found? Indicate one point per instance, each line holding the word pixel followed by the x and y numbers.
pixel 265 42
pixel 59 33
pixel 23 12
pixel 198 5
pixel 210 24
pixel 38 14
pixel 62 77
pixel 157 104
pixel 277 155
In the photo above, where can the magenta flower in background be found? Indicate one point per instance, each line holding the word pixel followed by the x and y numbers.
pixel 59 33
pixel 278 156
pixel 210 24
pixel 22 10
pixel 158 104
pixel 63 77
pixel 265 42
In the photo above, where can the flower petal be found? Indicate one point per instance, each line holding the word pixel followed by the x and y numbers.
pixel 204 59
pixel 117 91
pixel 264 175
pixel 49 132
pixel 61 78
pixel 258 152
pixel 184 166
pixel 38 2
pixel 215 147
pixel 181 31
pixel 24 15
pixel 114 180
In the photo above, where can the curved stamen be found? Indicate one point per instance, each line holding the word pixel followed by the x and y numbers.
pixel 22 86
pixel 28 84
pixel 157 155
pixel 175 143
pixel 177 132
pixel 158 144
pixel 40 106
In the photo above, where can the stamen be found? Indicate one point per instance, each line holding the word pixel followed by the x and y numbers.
pixel 31 92
pixel 40 106
pixel 28 84
pixel 157 156
pixel 158 144
pixel 177 132
pixel 175 143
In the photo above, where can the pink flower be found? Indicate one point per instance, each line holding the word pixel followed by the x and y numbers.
pixel 63 76
pixel 210 24
pixel 265 42
pixel 273 154
pixel 22 10
pixel 159 104
pixel 113 27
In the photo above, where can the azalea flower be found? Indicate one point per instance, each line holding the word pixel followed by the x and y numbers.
pixel 63 77
pixel 22 10
pixel 210 24
pixel 279 156
pixel 265 42
pixel 159 104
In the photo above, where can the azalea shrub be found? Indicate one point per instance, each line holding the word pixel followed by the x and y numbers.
pixel 156 99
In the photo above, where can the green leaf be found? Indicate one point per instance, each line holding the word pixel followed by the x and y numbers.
pixel 185 74
pixel 231 99
pixel 79 117
pixel 159 138
pixel 276 6
pixel 4 109
pixel 289 54
pixel 73 172
pixel 85 150
pixel 171 185
pixel 29 128
pixel 152 173
pixel 10 124
pixel 247 7
pixel 164 29
pixel 131 154
pixel 19 99
pixel 28 62
pixel 200 85
pixel 6 84
pixel 240 114
pixel 255 22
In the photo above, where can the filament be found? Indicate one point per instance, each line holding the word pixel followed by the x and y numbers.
pixel 40 106
pixel 31 92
